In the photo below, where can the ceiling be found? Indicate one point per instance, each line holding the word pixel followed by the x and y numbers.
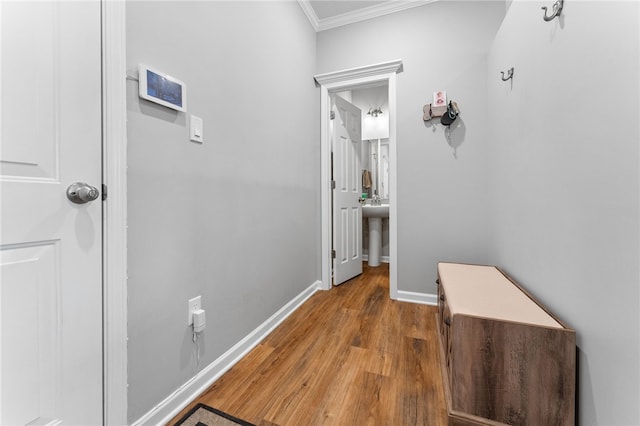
pixel 327 14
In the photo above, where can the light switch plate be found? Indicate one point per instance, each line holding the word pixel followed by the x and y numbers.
pixel 197 134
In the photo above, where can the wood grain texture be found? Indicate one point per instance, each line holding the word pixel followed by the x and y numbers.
pixel 513 373
pixel 348 356
pixel 497 371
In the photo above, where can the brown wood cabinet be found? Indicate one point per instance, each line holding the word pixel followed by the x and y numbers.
pixel 505 358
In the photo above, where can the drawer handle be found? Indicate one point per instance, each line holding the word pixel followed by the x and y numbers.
pixel 447 321
pixel 442 297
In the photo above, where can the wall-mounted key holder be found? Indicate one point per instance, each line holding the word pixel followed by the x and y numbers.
pixel 431 111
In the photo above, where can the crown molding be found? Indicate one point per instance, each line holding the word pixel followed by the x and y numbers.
pixel 370 12
pixel 360 72
pixel 311 14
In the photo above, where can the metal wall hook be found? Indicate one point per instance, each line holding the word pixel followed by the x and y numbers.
pixel 557 9
pixel 509 74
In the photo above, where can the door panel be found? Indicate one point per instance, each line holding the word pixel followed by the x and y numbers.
pixel 347 211
pixel 30 132
pixel 30 365
pixel 50 248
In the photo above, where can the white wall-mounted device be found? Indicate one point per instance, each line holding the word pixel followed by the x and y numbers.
pixel 158 87
pixel 199 321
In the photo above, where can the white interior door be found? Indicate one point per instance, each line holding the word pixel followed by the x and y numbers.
pixel 50 248
pixel 347 210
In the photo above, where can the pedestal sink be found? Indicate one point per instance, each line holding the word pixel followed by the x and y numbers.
pixel 375 213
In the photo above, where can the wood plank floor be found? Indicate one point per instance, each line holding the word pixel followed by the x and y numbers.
pixel 348 356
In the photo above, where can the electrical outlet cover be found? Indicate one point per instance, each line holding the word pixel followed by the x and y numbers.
pixel 194 305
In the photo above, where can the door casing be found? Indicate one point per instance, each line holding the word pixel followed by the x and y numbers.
pixel 114 167
pixel 338 81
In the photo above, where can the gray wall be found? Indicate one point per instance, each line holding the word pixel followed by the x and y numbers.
pixel 235 219
pixel 564 184
pixel 442 184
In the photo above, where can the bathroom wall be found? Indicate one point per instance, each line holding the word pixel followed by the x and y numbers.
pixel 235 219
pixel 564 184
pixel 442 182
pixel 366 99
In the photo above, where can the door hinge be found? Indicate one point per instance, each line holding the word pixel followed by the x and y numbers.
pixel 332 115
pixel 333 184
pixel 104 192
pixel 333 254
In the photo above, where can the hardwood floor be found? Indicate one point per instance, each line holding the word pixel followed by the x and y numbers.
pixel 348 356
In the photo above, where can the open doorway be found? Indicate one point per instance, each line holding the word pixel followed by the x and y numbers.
pixel 373 101
pixel 360 172
pixel 340 81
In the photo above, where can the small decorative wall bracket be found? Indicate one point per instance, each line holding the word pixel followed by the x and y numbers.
pixel 557 9
pixel 509 74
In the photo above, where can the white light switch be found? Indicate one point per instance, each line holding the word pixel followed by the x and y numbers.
pixel 197 134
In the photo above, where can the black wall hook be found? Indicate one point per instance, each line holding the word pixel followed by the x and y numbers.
pixel 509 74
pixel 557 9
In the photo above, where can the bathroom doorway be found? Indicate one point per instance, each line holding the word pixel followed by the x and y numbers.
pixel 373 101
pixel 377 75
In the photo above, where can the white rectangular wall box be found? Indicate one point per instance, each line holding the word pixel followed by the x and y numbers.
pixel 197 134
pixel 199 321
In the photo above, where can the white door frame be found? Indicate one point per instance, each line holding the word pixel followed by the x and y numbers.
pixel 346 80
pixel 114 169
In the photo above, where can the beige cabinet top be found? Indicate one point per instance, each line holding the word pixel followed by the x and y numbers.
pixel 484 291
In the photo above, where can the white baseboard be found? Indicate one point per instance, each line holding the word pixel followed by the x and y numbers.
pixel 413 297
pixel 383 259
pixel 178 400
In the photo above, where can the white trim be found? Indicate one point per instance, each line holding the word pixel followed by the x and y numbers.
pixel 334 82
pixel 325 191
pixel 341 77
pixel 383 259
pixel 114 165
pixel 311 14
pixel 357 15
pixel 176 402
pixel 421 298
pixel 393 188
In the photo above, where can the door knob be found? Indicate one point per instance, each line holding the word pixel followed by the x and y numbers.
pixel 81 193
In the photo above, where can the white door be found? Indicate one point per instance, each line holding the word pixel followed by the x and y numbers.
pixel 50 248
pixel 347 210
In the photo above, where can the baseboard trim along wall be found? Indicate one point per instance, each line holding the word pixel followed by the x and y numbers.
pixel 178 400
pixel 422 298
pixel 383 259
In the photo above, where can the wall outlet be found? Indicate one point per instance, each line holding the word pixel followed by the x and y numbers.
pixel 195 304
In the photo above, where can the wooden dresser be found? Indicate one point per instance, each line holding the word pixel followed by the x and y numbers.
pixel 505 358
